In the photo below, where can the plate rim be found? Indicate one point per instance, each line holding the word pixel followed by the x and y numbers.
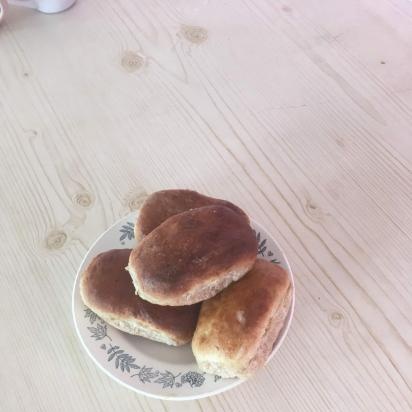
pixel 134 214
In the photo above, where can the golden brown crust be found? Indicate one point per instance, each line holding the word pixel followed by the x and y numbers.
pixel 271 333
pixel 233 325
pixel 161 205
pixel 192 256
pixel 106 287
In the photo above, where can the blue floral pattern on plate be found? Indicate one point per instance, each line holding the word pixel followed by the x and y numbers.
pixel 115 351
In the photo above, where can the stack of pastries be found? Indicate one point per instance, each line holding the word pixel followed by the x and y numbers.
pixel 193 276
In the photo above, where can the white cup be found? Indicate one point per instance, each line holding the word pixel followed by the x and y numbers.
pixel 45 6
pixel 3 9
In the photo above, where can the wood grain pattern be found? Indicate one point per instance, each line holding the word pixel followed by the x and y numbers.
pixel 300 112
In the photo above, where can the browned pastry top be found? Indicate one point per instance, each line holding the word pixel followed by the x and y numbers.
pixel 193 248
pixel 108 287
pixel 232 324
pixel 163 204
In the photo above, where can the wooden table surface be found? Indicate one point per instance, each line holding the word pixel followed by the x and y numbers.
pixel 298 111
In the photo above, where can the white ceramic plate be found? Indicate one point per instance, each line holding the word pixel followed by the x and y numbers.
pixel 148 367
